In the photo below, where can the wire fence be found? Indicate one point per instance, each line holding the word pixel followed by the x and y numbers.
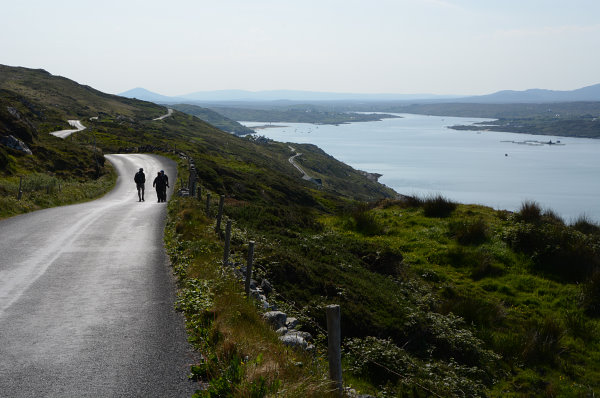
pixel 305 317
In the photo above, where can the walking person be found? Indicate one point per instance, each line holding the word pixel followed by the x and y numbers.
pixel 140 180
pixel 160 185
pixel 166 179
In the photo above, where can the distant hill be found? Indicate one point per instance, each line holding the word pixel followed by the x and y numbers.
pixel 589 93
pixel 273 95
pixel 146 95
pixel 214 118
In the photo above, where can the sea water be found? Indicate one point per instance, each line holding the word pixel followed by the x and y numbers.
pixel 421 155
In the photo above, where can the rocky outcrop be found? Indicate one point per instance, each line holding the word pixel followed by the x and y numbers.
pixel 15 143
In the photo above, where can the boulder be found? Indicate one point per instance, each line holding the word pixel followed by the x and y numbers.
pixel 266 286
pixel 275 318
pixel 291 323
pixel 293 340
pixel 15 143
pixel 282 331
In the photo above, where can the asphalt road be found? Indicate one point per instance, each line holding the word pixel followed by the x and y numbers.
pixel 86 297
pixel 65 133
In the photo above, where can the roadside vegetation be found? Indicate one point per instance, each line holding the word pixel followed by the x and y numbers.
pixel 437 298
pixel 58 172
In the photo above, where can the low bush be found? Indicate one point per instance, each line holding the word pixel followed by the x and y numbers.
pixel 403 375
pixel 556 249
pixel 363 221
pixel 530 212
pixel 470 232
pixel 438 206
pixel 585 225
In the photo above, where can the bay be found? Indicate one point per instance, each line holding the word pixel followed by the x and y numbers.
pixel 420 155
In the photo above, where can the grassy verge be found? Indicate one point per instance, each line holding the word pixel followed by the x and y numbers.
pixel 42 190
pixel 242 356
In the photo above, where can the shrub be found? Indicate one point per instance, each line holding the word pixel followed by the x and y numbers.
pixel 438 206
pixel 411 201
pixel 585 225
pixel 470 232
pixel 556 249
pixel 364 221
pixel 550 216
pixel 530 212
pixel 388 365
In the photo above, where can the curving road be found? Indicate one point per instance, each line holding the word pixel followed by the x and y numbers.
pixel 65 133
pixel 86 297
pixel 292 160
pixel 169 113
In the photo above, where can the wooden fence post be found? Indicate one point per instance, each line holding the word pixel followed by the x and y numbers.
pixel 249 266
pixel 208 205
pixel 220 213
pixel 199 192
pixel 227 241
pixel 334 340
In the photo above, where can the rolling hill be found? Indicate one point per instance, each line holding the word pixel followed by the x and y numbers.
pixel 437 298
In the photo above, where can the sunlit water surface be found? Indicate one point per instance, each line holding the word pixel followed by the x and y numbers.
pixel 420 155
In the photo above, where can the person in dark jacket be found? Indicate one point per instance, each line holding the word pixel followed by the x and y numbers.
pixel 166 178
pixel 140 180
pixel 160 183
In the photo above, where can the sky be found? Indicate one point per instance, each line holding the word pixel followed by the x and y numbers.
pixel 176 47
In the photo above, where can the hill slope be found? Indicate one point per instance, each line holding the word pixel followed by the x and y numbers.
pixel 437 299
pixel 214 118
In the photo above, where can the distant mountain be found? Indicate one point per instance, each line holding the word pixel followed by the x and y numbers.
pixel 296 95
pixel 272 95
pixel 589 93
pixel 146 95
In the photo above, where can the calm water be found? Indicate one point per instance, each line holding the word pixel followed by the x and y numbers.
pixel 421 155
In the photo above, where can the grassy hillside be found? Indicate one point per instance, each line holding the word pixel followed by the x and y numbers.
pixel 437 299
pixel 213 118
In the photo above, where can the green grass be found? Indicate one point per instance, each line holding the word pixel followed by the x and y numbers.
pixel 453 300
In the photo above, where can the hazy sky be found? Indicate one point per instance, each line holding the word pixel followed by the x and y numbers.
pixel 368 46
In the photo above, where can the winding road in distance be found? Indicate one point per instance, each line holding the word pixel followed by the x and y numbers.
pixel 86 297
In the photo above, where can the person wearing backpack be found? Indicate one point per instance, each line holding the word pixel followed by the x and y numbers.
pixel 140 180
